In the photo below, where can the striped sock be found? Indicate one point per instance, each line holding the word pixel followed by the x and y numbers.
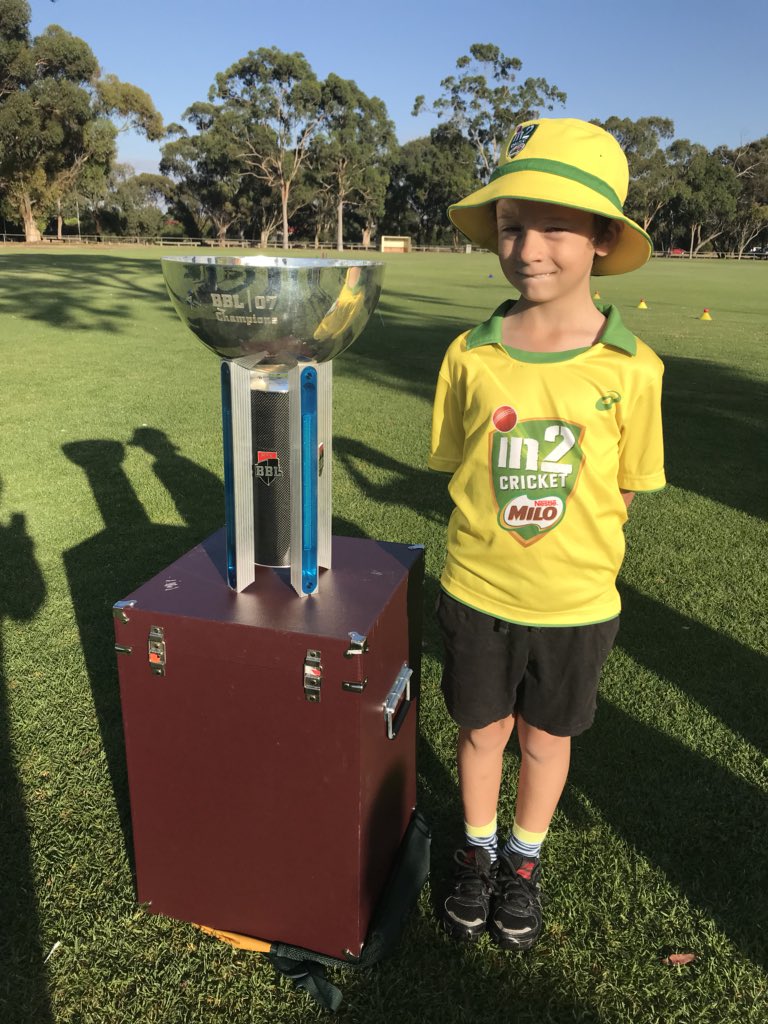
pixel 523 842
pixel 483 835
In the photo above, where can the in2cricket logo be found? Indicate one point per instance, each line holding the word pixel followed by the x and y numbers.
pixel 520 139
pixel 267 467
pixel 534 468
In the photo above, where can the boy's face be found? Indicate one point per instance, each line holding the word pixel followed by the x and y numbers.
pixel 546 251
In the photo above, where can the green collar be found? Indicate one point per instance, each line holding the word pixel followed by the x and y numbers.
pixel 615 334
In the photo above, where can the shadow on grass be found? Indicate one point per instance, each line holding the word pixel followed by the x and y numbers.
pixel 129 550
pixel 715 433
pixel 672 804
pixel 81 291
pixel 23 976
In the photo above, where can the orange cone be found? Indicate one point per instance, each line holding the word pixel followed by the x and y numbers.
pixel 642 304
pixel 705 315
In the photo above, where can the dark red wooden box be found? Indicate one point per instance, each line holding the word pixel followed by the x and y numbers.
pixel 266 795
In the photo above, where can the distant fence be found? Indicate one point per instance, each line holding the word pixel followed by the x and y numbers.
pixel 8 237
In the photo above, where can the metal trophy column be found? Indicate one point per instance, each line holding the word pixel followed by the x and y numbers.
pixel 276 323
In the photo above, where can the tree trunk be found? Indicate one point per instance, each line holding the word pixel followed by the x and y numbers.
pixel 284 198
pixel 264 238
pixel 367 236
pixel 340 226
pixel 31 230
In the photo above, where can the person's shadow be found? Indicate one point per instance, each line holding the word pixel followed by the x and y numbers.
pixel 129 550
pixel 23 987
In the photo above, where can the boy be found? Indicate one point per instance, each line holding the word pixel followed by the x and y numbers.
pixel 548 418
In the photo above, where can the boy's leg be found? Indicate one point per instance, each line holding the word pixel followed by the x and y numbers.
pixel 479 758
pixel 516 914
pixel 544 764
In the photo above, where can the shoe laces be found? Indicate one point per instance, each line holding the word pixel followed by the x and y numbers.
pixel 513 887
pixel 470 877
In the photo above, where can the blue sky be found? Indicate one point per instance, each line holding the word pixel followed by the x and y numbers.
pixel 703 64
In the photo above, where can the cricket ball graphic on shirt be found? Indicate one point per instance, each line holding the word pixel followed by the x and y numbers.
pixel 535 465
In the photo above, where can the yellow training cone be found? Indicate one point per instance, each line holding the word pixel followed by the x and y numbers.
pixel 705 315
pixel 642 304
pixel 596 295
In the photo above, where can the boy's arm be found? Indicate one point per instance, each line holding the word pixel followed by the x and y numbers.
pixel 641 445
pixel 627 496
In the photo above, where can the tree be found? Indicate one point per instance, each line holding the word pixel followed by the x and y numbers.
pixel 206 169
pixel 483 102
pixel 275 103
pixel 653 181
pixel 55 114
pixel 138 202
pixel 351 153
pixel 750 164
pixel 707 195
pixel 429 174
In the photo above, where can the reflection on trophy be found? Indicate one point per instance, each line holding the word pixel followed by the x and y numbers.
pixel 276 323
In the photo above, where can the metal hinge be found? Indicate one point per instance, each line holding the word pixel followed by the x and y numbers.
pixel 313 675
pixel 358 644
pixel 119 610
pixel 156 650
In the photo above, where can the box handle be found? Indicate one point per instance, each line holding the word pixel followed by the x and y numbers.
pixel 400 694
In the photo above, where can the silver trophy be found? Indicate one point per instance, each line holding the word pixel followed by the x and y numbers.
pixel 276 323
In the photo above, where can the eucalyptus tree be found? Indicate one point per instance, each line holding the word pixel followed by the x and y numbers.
pixel 750 165
pixel 654 181
pixel 274 100
pixel 206 169
pixel 352 150
pixel 56 114
pixel 708 193
pixel 428 174
pixel 484 101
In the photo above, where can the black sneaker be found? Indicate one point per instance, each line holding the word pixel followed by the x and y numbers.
pixel 465 911
pixel 516 911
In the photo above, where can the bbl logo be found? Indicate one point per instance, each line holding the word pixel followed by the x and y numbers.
pixel 535 465
pixel 267 467
pixel 520 139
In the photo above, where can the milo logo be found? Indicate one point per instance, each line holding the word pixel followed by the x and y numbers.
pixel 534 469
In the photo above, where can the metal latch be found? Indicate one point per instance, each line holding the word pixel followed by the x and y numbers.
pixel 353 686
pixel 313 675
pixel 398 701
pixel 119 610
pixel 358 644
pixel 156 650
pixel 123 649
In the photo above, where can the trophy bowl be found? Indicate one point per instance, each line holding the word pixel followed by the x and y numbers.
pixel 271 310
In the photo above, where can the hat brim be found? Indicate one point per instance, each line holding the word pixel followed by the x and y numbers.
pixel 475 216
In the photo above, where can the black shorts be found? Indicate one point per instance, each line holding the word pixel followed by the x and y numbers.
pixel 494 669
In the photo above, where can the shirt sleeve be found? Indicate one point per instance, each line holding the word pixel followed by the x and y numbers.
pixel 447 445
pixel 641 447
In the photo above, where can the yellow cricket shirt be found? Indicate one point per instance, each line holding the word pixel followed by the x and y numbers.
pixel 539 446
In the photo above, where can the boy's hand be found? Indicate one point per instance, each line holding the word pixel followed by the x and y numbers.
pixel 627 496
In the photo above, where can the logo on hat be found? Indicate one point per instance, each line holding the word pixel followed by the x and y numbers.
pixel 521 136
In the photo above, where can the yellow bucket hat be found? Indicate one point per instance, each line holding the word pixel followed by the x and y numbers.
pixel 566 162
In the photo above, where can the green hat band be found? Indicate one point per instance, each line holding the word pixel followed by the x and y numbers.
pixel 562 171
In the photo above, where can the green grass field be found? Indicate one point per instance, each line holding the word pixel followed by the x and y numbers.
pixel 659 842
